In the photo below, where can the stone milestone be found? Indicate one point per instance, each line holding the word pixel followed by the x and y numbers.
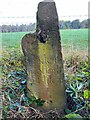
pixel 44 63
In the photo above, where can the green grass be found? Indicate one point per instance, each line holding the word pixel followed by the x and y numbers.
pixel 74 39
pixel 12 39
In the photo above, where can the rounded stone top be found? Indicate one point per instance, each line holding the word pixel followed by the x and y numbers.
pixel 48 1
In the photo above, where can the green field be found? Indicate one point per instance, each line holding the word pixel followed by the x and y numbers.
pixel 76 39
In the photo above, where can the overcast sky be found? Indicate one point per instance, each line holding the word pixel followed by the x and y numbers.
pixel 24 8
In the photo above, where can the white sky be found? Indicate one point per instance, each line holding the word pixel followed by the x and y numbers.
pixel 19 8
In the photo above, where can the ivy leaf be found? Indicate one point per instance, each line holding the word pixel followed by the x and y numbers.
pixel 67 111
pixel 86 94
pixel 71 116
pixel 23 82
pixel 17 83
pixel 89 86
pixel 79 86
pixel 33 98
pixel 29 100
pixel 79 79
pixel 80 75
pixel 11 95
pixel 40 102
pixel 13 107
pixel 6 108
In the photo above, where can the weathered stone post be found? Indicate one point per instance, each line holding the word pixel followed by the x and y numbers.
pixel 43 55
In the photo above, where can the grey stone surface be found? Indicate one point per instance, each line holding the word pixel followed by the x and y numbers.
pixel 44 62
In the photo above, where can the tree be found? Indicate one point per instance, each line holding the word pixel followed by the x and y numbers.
pixel 68 24
pixel 84 24
pixel 75 24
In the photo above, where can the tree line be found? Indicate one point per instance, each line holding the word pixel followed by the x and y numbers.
pixel 75 24
pixel 18 28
